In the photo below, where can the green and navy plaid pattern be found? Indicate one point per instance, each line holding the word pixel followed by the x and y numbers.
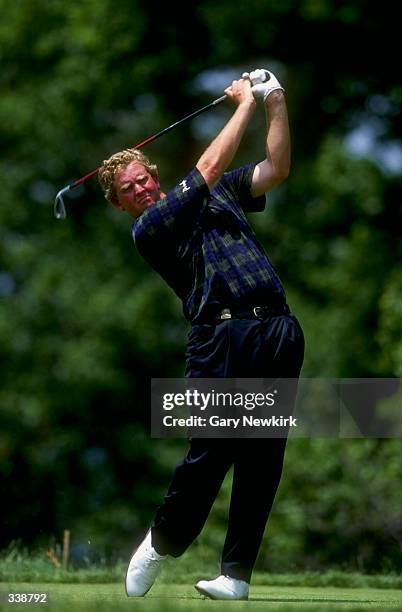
pixel 203 246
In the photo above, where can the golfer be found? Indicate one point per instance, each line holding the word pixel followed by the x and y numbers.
pixel 198 239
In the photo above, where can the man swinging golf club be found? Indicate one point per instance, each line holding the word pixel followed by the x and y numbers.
pixel 198 239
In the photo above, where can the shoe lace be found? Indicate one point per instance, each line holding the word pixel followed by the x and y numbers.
pixel 229 581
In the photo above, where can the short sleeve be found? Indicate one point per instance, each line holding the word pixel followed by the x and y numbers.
pixel 236 185
pixel 176 213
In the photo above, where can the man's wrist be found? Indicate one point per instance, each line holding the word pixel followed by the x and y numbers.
pixel 249 105
pixel 275 97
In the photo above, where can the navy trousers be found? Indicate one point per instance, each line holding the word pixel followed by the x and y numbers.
pixel 234 348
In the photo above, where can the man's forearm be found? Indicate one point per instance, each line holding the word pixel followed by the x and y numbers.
pixel 278 136
pixel 217 157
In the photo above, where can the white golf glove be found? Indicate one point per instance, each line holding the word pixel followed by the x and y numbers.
pixel 263 82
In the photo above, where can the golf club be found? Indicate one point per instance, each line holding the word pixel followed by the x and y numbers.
pixel 59 208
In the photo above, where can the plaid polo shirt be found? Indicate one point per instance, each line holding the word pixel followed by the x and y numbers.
pixel 202 245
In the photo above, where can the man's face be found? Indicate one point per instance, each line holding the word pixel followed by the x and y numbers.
pixel 136 189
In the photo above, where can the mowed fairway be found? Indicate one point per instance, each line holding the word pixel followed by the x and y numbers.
pixel 178 598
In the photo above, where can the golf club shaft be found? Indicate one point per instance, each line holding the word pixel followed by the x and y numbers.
pixel 59 209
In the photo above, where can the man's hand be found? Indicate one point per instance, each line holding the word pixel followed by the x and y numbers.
pixel 263 83
pixel 241 92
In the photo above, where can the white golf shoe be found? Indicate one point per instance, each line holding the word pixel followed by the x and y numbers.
pixel 143 568
pixel 223 587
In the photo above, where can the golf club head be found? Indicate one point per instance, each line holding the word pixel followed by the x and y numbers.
pixel 59 208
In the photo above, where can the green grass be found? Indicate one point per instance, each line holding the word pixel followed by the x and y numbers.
pixel 180 598
pixel 18 566
pixel 101 588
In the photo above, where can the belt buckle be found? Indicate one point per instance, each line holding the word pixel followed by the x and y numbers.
pixel 258 312
pixel 225 313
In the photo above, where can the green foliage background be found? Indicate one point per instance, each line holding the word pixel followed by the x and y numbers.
pixel 84 323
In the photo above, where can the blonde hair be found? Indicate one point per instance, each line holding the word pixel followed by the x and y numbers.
pixel 117 162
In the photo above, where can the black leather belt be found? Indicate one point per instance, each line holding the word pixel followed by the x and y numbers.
pixel 253 312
